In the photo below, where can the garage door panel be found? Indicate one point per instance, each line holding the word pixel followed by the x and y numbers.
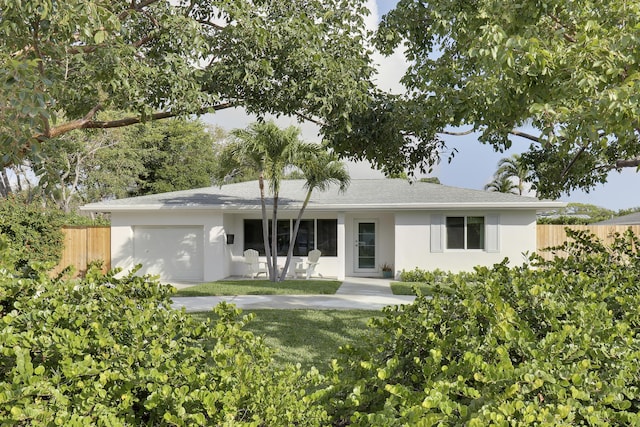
pixel 173 252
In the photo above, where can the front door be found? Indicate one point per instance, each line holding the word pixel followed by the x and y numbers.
pixel 365 254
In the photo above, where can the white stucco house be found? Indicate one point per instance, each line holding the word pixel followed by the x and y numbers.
pixel 200 235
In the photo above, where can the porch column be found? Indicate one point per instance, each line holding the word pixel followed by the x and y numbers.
pixel 342 262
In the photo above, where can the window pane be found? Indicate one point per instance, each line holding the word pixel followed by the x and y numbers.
pixel 253 235
pixel 304 239
pixel 455 232
pixel 475 232
pixel 284 237
pixel 328 237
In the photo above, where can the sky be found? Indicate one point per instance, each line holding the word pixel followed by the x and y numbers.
pixel 474 163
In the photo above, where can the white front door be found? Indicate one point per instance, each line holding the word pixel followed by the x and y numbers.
pixel 365 246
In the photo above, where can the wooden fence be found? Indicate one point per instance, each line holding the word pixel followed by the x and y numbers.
pixel 83 245
pixel 554 235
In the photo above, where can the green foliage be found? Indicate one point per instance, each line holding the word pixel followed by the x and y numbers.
pixel 111 351
pixel 419 275
pixel 567 69
pixel 564 220
pixel 552 343
pixel 175 155
pixel 60 62
pixel 74 219
pixel 576 213
pixel 33 232
pixel 431 179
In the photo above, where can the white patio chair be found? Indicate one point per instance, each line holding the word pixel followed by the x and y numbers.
pixel 309 267
pixel 253 263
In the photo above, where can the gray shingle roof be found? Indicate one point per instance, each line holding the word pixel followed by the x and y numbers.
pixel 363 194
pixel 631 219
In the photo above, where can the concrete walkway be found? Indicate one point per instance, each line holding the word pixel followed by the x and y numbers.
pixel 355 293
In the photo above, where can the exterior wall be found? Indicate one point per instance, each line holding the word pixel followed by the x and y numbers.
pixel 516 235
pixel 214 248
pixel 403 239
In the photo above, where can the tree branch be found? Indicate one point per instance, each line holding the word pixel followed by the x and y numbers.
pixel 87 123
pixel 525 135
pixel 566 36
pixel 627 163
pixel 466 132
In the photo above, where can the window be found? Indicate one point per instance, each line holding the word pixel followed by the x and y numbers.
pixel 321 234
pixel 328 236
pixel 465 232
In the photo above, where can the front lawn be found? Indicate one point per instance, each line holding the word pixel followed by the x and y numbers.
pixel 308 337
pixel 261 287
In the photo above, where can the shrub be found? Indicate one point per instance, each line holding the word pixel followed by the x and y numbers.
pixel 33 232
pixel 424 276
pixel 108 351
pixel 554 343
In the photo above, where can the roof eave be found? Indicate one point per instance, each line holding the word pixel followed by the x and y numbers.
pixel 336 207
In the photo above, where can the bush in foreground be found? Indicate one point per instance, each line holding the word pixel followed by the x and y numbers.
pixel 553 345
pixel 107 351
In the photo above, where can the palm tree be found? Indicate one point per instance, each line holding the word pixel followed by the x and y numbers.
pixel 321 169
pixel 501 184
pixel 514 167
pixel 269 150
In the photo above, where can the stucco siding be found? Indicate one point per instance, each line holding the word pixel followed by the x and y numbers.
pixel 515 235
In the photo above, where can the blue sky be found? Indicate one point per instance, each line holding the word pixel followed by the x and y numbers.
pixel 475 163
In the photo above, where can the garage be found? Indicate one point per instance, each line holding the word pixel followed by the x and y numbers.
pixel 172 252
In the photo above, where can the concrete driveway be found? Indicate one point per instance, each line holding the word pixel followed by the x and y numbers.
pixel 355 293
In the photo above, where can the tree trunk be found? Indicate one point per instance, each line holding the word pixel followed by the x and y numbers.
pixel 294 235
pixel 274 237
pixel 5 185
pixel 265 226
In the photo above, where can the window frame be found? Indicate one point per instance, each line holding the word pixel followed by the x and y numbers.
pixel 465 233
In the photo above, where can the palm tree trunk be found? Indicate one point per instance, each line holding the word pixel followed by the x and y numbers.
pixel 274 237
pixel 296 227
pixel 265 226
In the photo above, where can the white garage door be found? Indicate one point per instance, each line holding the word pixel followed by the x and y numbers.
pixel 173 252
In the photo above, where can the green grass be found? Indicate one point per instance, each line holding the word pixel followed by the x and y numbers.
pixel 308 337
pixel 261 287
pixel 407 288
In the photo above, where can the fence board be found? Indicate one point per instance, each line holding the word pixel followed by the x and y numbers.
pixel 554 235
pixel 83 245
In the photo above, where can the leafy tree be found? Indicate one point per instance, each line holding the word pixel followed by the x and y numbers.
pixel 175 155
pixel 148 158
pixel 32 232
pixel 320 169
pixel 576 213
pixel 431 180
pixel 62 62
pixel 568 69
pixel 268 150
pixel 514 168
pixel 502 184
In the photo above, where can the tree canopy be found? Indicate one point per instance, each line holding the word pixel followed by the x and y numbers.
pixel 62 62
pixel 569 70
pixel 97 164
